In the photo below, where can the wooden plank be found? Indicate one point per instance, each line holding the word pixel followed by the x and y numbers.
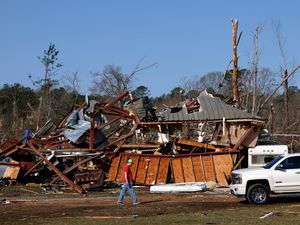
pixel 208 168
pixel 214 168
pixel 198 168
pixel 223 166
pixel 234 158
pixel 156 172
pixel 177 170
pixel 122 162
pixel 188 169
pixel 152 170
pixel 163 171
pixel 11 172
pixel 198 144
pixel 113 169
pixel 141 172
pixel 134 166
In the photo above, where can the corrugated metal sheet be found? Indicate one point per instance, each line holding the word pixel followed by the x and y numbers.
pixel 210 109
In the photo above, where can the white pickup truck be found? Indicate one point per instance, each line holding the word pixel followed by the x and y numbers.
pixel 280 176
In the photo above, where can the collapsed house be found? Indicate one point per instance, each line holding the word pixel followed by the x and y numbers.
pixel 202 141
pixel 199 140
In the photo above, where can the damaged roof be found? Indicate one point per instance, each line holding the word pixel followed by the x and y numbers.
pixel 206 108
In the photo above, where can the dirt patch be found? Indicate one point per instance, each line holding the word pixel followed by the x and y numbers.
pixel 104 204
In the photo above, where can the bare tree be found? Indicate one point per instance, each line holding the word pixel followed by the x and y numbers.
pixel 113 82
pixel 71 83
pixel 194 85
pixel 284 69
pixel 277 87
pixel 255 68
pixel 191 85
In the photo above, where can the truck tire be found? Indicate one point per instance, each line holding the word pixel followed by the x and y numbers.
pixel 258 194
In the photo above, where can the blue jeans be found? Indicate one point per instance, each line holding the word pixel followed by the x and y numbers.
pixel 124 190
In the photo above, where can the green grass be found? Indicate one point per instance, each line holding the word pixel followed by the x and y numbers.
pixel 246 215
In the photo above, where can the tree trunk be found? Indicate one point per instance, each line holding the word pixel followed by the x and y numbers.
pixel 286 101
pixel 235 63
pixel 255 65
pixel 271 118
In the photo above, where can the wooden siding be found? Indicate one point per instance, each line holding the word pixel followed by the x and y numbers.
pixel 154 169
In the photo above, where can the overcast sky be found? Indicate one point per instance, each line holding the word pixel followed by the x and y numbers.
pixel 184 38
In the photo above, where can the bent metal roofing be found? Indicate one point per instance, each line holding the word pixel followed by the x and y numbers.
pixel 210 109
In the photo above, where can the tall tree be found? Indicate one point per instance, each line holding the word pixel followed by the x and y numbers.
pixel 140 91
pixel 177 92
pixel 49 59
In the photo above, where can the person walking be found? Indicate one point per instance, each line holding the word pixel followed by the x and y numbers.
pixel 127 184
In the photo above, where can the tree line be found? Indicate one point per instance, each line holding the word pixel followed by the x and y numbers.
pixel 29 108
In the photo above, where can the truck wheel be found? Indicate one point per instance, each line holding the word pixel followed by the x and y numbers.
pixel 258 194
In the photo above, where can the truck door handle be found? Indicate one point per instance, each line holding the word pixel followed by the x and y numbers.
pixel 297 172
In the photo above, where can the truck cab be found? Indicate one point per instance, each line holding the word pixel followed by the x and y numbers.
pixel 280 176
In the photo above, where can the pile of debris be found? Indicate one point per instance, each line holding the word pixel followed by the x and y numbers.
pixel 199 140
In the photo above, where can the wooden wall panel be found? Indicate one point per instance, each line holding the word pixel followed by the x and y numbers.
pixel 177 170
pixel 122 162
pixel 142 170
pixel 188 170
pixel 223 165
pixel 163 171
pixel 134 166
pixel 113 169
pixel 208 168
pixel 198 168
pixel 152 170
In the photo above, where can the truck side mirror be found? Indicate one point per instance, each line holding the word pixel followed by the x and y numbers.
pixel 280 167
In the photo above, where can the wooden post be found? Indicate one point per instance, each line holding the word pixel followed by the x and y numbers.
pixel 59 173
pixel 92 133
